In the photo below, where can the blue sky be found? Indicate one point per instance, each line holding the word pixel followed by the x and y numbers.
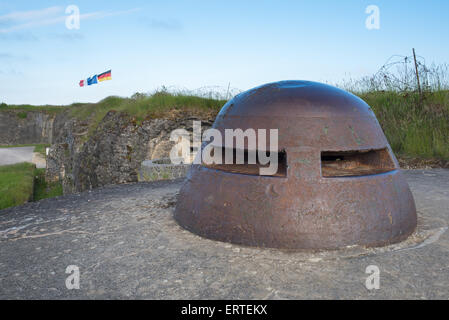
pixel 192 44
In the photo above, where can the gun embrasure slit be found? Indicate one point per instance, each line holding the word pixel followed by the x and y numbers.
pixel 355 163
pixel 246 166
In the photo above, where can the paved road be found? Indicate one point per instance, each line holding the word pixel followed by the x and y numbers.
pixel 15 155
pixel 127 245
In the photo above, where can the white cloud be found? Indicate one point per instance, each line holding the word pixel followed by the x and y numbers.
pixel 30 15
pixel 168 24
pixel 31 19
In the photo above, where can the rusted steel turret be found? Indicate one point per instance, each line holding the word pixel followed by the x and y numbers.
pixel 338 183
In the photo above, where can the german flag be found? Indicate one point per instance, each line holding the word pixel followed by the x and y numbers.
pixel 105 76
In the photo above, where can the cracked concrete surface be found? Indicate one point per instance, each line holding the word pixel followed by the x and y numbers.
pixel 127 246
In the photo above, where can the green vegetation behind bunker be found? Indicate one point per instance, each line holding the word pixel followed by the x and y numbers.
pixel 44 189
pixel 16 184
pixel 417 126
pixel 22 182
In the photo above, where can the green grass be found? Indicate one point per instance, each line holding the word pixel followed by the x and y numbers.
pixel 414 129
pixel 22 115
pixel 43 189
pixel 16 184
pixel 140 106
pixel 40 148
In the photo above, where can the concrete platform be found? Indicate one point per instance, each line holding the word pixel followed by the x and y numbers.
pixel 127 245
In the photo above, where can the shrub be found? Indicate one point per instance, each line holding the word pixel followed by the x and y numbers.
pixel 22 115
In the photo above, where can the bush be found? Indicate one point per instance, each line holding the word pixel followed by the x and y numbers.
pixel 138 96
pixel 44 189
pixel 22 115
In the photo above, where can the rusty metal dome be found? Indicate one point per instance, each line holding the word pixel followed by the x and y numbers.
pixel 338 182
